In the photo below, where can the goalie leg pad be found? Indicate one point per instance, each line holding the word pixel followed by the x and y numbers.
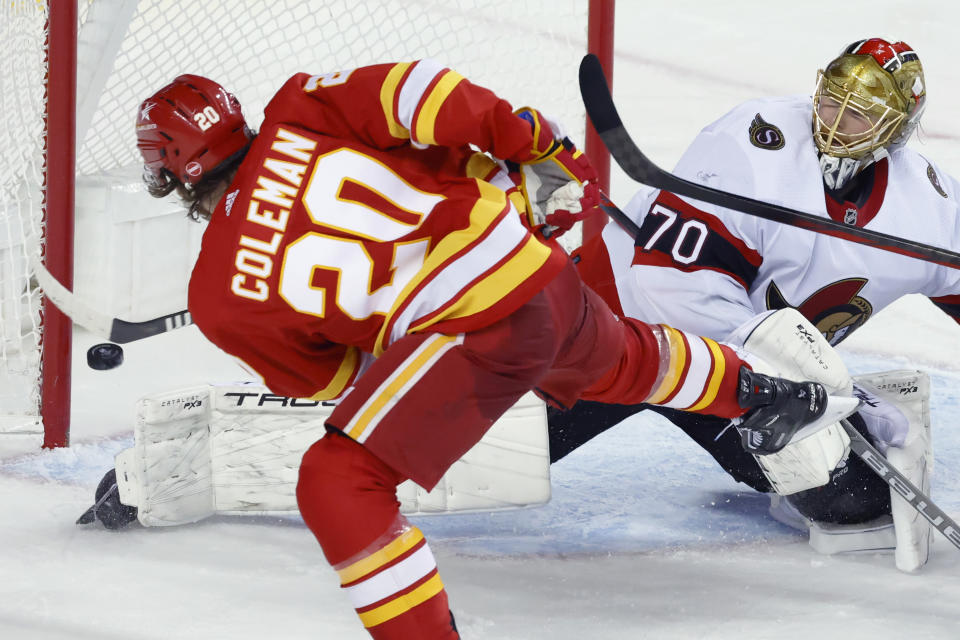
pixel 792 348
pixel 231 449
pixel 785 344
pixel 909 390
pixel 899 526
pixel 854 493
pixel 216 449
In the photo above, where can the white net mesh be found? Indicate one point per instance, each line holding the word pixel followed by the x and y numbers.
pixel 526 51
pixel 22 49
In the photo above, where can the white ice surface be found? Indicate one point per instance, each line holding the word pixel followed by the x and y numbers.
pixel 644 538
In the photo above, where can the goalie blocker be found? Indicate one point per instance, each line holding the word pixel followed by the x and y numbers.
pixel 232 449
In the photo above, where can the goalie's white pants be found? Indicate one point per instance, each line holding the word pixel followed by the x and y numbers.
pixel 237 449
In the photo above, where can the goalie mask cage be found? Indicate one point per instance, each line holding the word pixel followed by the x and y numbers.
pixel 75 73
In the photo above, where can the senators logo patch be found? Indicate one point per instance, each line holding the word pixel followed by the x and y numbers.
pixel 835 310
pixel 935 181
pixel 765 135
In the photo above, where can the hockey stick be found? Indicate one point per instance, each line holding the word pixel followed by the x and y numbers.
pixel 906 489
pixel 603 114
pixel 114 329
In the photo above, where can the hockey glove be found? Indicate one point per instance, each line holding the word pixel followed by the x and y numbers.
pixel 777 409
pixel 557 180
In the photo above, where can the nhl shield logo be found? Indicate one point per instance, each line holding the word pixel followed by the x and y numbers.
pixel 765 135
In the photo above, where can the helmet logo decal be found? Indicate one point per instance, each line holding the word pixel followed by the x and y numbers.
pixel 193 169
pixel 932 176
pixel 228 203
pixel 146 109
pixel 765 135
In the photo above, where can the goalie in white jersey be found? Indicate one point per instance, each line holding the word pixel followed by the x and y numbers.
pixel 709 270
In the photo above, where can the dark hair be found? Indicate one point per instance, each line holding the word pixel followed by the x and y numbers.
pixel 196 196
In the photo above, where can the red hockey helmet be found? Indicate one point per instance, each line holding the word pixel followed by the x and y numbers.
pixel 189 127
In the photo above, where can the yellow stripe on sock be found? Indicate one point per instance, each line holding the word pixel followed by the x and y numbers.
pixel 402 604
pixel 396 548
pixel 719 367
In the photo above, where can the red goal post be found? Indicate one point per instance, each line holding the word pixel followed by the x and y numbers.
pixel 75 72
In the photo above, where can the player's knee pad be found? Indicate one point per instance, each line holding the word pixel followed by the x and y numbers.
pixel 854 494
pixel 346 495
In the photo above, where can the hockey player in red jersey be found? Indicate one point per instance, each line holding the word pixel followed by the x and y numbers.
pixel 360 248
pixel 709 270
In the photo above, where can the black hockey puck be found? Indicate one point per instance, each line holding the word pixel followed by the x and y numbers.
pixel 105 355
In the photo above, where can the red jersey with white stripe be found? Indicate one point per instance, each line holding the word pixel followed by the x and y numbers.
pixel 361 214
pixel 707 269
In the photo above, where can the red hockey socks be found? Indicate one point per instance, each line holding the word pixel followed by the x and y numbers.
pixel 347 497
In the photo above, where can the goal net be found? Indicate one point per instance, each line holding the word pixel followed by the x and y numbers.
pixel 527 51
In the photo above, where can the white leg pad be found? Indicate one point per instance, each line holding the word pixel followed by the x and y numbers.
pixel 790 347
pixel 909 390
pixel 237 449
pixel 905 531
pixel 807 463
pixel 509 468
pixel 784 343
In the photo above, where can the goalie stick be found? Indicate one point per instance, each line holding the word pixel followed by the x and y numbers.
pixel 114 329
pixel 904 488
pixel 603 114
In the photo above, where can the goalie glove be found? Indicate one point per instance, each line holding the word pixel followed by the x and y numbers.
pixel 777 410
pixel 557 180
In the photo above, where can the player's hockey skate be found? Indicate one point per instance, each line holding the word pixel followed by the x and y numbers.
pixel 783 411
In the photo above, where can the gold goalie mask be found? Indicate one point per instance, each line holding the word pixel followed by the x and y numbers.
pixel 868 101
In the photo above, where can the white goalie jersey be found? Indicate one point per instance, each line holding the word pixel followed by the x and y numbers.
pixel 707 269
